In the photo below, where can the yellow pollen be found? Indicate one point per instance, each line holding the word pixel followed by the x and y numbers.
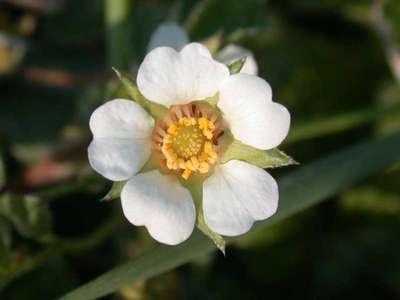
pixel 186 174
pixel 187 145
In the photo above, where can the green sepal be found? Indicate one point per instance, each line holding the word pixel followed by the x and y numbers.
pixel 272 158
pixel 114 192
pixel 212 101
pixel 29 215
pixel 157 111
pixel 215 237
pixel 237 65
pixel 196 189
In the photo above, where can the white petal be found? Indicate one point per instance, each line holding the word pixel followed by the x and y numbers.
pixel 121 139
pixel 160 203
pixel 236 195
pixel 120 118
pixel 194 50
pixel 118 159
pixel 231 53
pixel 169 35
pixel 169 77
pixel 246 101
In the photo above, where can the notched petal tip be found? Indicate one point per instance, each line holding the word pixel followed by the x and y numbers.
pixel 161 204
pixel 238 195
pixel 170 78
pixel 121 139
pixel 246 101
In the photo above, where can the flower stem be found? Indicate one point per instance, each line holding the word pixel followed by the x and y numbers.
pixel 116 14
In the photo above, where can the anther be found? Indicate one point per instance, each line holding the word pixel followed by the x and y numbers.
pixel 187 139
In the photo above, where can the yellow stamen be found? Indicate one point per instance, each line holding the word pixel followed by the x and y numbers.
pixel 173 130
pixel 186 174
pixel 187 144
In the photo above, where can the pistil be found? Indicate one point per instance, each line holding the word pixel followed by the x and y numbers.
pixel 188 139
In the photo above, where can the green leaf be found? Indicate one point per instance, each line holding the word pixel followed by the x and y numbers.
pixel 262 158
pixel 115 191
pixel 301 189
pixel 327 125
pixel 30 216
pixel 157 111
pixel 371 200
pixel 237 65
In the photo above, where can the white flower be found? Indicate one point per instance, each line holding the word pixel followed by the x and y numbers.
pixel 172 35
pixel 187 144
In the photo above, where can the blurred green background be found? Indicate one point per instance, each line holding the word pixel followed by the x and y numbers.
pixel 334 63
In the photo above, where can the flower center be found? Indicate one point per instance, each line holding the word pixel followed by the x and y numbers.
pixel 188 139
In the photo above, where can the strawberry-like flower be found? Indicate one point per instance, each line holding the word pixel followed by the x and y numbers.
pixel 172 163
